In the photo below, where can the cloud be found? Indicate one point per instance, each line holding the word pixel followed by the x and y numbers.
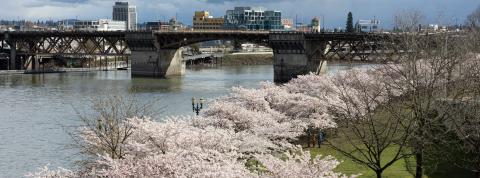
pixel 70 1
pixel 56 3
pixel 241 1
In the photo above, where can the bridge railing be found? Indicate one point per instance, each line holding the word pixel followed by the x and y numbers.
pixel 212 31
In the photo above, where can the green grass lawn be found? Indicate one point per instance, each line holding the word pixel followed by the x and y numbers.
pixel 397 170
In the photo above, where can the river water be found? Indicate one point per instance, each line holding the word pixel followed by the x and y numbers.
pixel 34 109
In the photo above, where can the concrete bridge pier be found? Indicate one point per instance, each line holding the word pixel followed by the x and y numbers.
pixel 157 63
pixel 294 55
pixel 13 57
pixel 315 51
pixel 32 63
pixel 150 60
pixel 288 66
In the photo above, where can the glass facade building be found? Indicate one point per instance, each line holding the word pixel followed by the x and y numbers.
pixel 127 13
pixel 247 18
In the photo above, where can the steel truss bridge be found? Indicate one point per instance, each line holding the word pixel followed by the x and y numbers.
pixel 83 43
pixel 23 49
pixel 66 43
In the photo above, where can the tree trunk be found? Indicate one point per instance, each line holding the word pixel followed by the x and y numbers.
pixel 379 173
pixel 477 173
pixel 419 162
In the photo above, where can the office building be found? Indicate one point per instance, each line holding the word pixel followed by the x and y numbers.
pixel 85 25
pixel 203 21
pixel 159 25
pixel 111 25
pixel 171 25
pixel 122 11
pixel 247 18
pixel 367 25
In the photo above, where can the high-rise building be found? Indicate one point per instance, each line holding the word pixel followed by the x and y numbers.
pixel 122 11
pixel 203 21
pixel 248 18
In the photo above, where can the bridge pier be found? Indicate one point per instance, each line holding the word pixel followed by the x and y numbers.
pixel 149 59
pixel 13 57
pixel 32 63
pixel 294 55
pixel 315 51
pixel 288 66
pixel 158 63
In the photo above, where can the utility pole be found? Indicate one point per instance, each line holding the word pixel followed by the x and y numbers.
pixel 323 23
pixel 296 22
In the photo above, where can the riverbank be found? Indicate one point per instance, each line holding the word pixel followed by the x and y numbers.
pixel 59 70
pixel 247 59
pixel 10 72
pixel 236 59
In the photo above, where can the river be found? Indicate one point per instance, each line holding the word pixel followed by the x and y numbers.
pixel 35 109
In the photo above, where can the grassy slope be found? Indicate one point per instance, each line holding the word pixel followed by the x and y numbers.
pixel 397 170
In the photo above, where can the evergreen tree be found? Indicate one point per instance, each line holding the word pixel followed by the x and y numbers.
pixel 349 28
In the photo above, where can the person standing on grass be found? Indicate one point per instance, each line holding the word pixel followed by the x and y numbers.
pixel 321 137
pixel 309 137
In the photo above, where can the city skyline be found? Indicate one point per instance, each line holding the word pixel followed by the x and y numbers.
pixel 334 12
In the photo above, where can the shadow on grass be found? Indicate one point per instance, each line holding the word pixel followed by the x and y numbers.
pixel 443 169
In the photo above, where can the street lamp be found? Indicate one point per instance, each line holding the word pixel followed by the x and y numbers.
pixel 196 106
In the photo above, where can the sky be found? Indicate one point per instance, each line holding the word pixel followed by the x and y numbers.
pixel 334 12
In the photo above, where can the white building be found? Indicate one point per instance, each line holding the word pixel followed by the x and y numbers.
pixel 3 28
pixel 287 24
pixel 433 27
pixel 127 13
pixel 99 25
pixel 111 25
pixel 316 25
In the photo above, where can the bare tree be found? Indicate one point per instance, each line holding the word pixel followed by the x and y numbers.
pixel 473 19
pixel 105 131
pixel 465 124
pixel 368 126
pixel 428 70
pixel 425 68
pixel 408 20
pixel 464 111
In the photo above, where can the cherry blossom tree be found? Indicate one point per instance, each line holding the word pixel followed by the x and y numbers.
pixel 247 124
pixel 104 132
pixel 188 147
pixel 299 165
pixel 46 172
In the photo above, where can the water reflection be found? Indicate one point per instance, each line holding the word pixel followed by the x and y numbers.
pixel 148 85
